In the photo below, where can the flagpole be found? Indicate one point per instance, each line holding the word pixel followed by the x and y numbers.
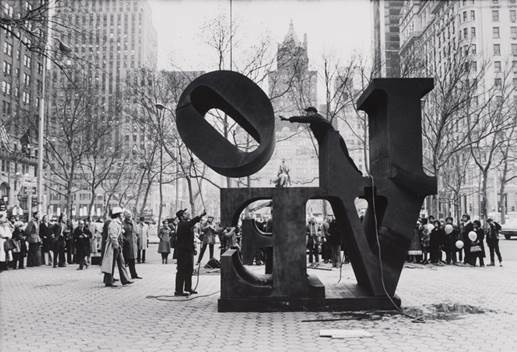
pixel 41 118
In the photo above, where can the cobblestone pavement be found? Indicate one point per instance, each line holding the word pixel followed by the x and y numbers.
pixel 44 309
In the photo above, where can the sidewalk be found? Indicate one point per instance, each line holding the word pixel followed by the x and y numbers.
pixel 44 309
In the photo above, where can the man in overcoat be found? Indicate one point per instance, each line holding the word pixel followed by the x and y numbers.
pixel 185 252
pixel 130 248
pixel 113 250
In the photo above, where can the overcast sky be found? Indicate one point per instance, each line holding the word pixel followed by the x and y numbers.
pixel 334 27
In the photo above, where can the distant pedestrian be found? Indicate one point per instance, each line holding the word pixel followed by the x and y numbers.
pixel 208 233
pixel 164 247
pixel 142 233
pixel 130 248
pixel 451 237
pixel 436 241
pixel 6 243
pixel 34 239
pixel 68 229
pixel 476 246
pixel 425 240
pixel 333 240
pixel 313 242
pixel 415 247
pixel 466 227
pixel 47 238
pixel 60 242
pixel 492 240
pixel 20 245
pixel 82 239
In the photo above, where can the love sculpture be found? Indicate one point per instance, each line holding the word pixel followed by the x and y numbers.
pixel 394 192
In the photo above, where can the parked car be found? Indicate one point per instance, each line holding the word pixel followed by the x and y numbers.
pixel 509 229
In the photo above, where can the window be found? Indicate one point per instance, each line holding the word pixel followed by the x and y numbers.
pixel 27 61
pixel 513 32
pixel 513 16
pixel 7 68
pixel 26 79
pixel 495 33
pixel 495 15
pixel 473 32
pixel 498 82
pixel 464 16
pixel 465 33
pixel 497 49
pixel 8 49
pixel 474 66
pixel 472 15
pixel 497 66
pixel 473 50
pixel 6 109
pixel 514 66
pixel 6 88
pixel 514 49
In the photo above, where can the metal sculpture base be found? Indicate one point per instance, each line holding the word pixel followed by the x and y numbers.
pixel 244 291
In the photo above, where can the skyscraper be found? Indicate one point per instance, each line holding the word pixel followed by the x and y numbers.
pixel 110 42
pixel 386 38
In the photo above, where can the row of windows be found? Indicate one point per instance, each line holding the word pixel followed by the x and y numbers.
pixel 497 49
pixel 496 17
pixel 24 168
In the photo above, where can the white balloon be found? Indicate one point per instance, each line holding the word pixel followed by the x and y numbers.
pixel 459 244
pixel 473 236
pixel 448 229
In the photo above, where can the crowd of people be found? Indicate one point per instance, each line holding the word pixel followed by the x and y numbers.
pixel 441 242
pixel 61 241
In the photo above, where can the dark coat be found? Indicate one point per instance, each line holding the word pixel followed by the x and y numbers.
pixel 82 239
pixel 185 235
pixel 130 241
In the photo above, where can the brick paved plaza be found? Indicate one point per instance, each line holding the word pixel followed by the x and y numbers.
pixel 44 309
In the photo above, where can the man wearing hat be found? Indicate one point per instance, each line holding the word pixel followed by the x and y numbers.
pixel 113 250
pixel 185 252
pixel 320 126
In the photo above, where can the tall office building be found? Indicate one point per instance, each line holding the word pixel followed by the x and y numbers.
pixel 114 40
pixel 439 33
pixel 386 37
pixel 21 89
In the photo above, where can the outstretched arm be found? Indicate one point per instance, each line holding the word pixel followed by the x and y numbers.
pixel 301 119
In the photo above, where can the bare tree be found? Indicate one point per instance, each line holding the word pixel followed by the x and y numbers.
pixel 78 128
pixel 488 135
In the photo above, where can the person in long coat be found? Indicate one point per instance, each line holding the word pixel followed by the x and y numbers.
pixel 185 252
pixel 164 247
pixel 59 242
pixel 113 250
pixel 415 247
pixel 34 239
pixel 47 238
pixel 130 248
pixel 436 241
pixel 142 233
pixel 451 236
pixel 477 247
pixel 82 236
pixel 6 243
pixel 466 227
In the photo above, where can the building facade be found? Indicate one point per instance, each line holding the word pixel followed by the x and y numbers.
pixel 110 41
pixel 436 35
pixel 386 37
pixel 21 90
pixel 292 88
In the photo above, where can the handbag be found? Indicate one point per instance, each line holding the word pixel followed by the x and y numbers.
pixel 475 249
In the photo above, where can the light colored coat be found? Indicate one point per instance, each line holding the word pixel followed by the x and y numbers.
pixel 142 231
pixel 112 243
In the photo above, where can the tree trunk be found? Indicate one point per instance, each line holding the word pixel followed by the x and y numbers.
pixel 92 201
pixel 484 203
pixel 191 196
pixel 146 194
pixel 135 208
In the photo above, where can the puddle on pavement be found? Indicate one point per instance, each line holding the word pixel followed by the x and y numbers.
pixel 431 312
